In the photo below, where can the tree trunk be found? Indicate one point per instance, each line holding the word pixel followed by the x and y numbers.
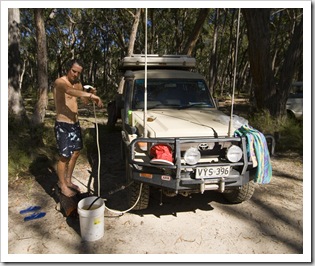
pixel 133 33
pixel 16 108
pixel 41 106
pixel 213 56
pixel 266 94
pixel 291 65
pixel 152 31
pixel 131 45
pixel 190 45
pixel 257 21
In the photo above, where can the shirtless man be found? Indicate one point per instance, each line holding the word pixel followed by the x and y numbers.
pixel 67 127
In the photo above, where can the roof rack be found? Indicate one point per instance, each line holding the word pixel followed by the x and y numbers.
pixel 137 61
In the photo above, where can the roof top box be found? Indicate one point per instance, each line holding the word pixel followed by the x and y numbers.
pixel 137 61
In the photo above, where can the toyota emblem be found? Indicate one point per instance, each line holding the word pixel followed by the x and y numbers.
pixel 203 146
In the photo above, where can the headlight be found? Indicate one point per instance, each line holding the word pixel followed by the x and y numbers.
pixel 192 156
pixel 143 146
pixel 234 154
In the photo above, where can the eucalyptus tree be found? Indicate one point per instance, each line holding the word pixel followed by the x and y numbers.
pixel 195 33
pixel 42 75
pixel 102 37
pixel 271 91
pixel 168 30
pixel 215 51
pixel 132 39
pixel 16 107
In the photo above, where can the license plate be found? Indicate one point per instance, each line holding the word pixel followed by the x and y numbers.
pixel 215 171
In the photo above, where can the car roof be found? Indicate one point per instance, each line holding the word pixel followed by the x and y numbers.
pixel 166 74
pixel 297 83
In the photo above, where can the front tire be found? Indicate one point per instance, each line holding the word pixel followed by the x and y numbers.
pixel 242 194
pixel 134 191
pixel 133 194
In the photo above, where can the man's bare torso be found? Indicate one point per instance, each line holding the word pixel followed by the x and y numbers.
pixel 66 105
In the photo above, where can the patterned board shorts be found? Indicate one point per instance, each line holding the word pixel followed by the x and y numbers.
pixel 68 137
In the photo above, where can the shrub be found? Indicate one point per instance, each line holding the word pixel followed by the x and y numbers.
pixel 25 145
pixel 288 132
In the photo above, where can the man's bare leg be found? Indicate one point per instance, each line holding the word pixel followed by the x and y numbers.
pixel 62 171
pixel 70 169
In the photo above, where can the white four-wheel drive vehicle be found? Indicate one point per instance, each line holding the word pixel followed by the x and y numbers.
pixel 174 137
pixel 295 101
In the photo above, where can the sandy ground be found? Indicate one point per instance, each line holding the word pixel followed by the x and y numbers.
pixel 269 227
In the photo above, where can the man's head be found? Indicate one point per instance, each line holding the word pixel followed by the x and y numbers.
pixel 74 68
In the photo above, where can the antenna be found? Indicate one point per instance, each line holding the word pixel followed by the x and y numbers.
pixel 145 76
pixel 234 77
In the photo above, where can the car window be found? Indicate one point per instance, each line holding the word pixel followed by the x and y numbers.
pixel 173 93
pixel 296 90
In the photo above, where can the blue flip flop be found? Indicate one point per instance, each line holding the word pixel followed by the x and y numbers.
pixel 34 216
pixel 30 209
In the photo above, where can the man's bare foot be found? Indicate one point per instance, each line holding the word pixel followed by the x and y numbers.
pixel 73 186
pixel 65 190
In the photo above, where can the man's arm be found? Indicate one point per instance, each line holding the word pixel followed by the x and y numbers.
pixel 91 90
pixel 63 86
pixel 85 100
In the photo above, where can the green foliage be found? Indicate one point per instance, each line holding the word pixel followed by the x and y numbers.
pixel 89 146
pixel 291 136
pixel 287 131
pixel 19 161
pixel 34 149
pixel 264 122
pixel 18 156
pixel 26 145
pixel 100 38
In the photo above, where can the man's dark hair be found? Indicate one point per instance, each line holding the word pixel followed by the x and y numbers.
pixel 71 62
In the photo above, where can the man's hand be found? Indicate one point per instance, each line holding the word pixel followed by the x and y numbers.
pixel 93 90
pixel 97 100
pixel 90 89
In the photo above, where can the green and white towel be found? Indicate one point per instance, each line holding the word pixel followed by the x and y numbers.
pixel 258 153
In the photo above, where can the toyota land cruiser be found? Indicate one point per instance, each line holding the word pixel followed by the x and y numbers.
pixel 174 137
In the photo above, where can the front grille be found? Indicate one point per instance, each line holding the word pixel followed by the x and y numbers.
pixel 209 152
pixel 213 155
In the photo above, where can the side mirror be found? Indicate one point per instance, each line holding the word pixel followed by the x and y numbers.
pixel 119 101
pixel 114 110
pixel 216 100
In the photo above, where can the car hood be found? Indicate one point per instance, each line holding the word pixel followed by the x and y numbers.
pixel 185 123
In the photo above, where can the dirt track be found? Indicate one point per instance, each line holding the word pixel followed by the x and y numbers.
pixel 270 223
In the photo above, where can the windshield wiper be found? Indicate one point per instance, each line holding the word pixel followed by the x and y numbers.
pixel 163 105
pixel 195 104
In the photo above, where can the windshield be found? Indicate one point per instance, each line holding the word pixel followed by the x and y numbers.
pixel 172 93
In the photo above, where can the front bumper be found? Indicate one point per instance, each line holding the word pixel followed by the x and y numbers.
pixel 180 176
